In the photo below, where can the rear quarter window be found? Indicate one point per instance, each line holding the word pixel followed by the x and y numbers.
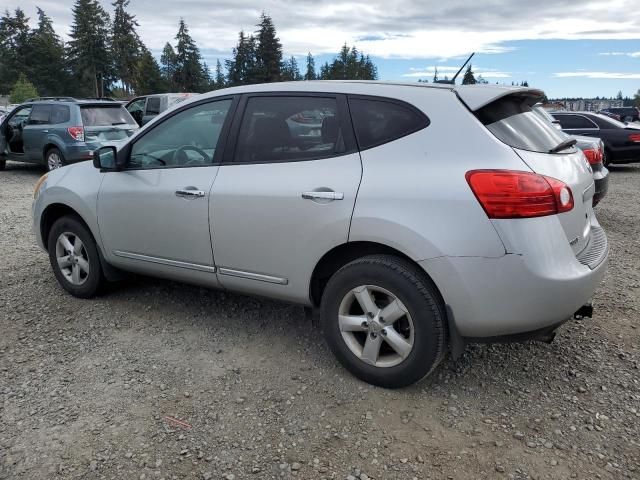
pixel 378 121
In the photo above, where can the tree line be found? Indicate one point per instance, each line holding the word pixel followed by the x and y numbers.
pixel 105 56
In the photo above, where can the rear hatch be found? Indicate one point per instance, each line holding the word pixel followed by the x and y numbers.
pixel 106 123
pixel 511 119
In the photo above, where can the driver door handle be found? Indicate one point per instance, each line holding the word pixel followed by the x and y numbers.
pixel 190 192
pixel 323 195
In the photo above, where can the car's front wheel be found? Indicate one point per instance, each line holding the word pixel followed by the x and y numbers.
pixel 74 258
pixel 54 159
pixel 384 320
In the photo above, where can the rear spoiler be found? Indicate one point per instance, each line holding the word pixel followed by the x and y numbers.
pixel 477 96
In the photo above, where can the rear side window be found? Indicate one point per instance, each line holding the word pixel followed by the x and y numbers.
pixel 60 114
pixel 575 122
pixel 514 123
pixel 105 116
pixel 381 121
pixel 153 106
pixel 276 129
pixel 40 115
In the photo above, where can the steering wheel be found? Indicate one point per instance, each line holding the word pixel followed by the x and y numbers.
pixel 180 151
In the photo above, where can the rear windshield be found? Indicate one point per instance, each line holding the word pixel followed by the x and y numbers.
pixel 512 121
pixel 105 116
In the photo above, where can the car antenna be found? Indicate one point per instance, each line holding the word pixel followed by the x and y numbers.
pixel 453 80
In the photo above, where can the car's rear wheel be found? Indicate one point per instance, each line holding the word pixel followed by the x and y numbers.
pixel 3 164
pixel 74 258
pixel 606 158
pixel 54 159
pixel 384 320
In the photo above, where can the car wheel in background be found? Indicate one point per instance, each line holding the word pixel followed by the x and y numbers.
pixel 54 159
pixel 384 320
pixel 74 257
pixel 606 155
pixel 3 164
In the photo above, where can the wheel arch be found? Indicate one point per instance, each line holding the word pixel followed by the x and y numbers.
pixel 48 146
pixel 342 254
pixel 52 213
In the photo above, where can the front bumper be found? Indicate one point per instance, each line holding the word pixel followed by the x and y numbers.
pixel 516 293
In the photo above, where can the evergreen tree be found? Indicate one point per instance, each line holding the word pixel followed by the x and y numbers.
pixel 168 68
pixel 126 44
pixel 22 90
pixel 147 77
pixel 349 64
pixel 290 70
pixel 190 75
pixel 45 58
pixel 268 51
pixel 243 68
pixel 311 68
pixel 14 47
pixel 469 78
pixel 219 81
pixel 88 51
pixel 619 96
pixel 636 99
pixel 435 75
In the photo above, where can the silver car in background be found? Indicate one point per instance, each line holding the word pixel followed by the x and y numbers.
pixel 414 218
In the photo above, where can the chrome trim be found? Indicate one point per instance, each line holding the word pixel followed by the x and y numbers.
pixel 323 195
pixel 165 261
pixel 252 276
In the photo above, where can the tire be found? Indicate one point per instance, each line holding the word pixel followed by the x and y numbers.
pixel 54 159
pixel 74 277
pixel 3 164
pixel 606 155
pixel 421 323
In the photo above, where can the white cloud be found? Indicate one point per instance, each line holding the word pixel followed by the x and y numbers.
pixel 621 54
pixel 606 75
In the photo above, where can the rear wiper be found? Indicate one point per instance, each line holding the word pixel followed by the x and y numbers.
pixel 119 123
pixel 569 142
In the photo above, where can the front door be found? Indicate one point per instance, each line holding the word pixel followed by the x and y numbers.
pixel 154 215
pixel 34 133
pixel 12 130
pixel 285 196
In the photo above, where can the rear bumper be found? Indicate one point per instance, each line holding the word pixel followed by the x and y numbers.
pixel 601 181
pixel 516 293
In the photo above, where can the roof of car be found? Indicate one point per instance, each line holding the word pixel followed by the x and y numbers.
pixel 474 96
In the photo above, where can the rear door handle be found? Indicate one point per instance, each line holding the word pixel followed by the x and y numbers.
pixel 190 192
pixel 323 195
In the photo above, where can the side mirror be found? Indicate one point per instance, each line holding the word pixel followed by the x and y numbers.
pixel 105 158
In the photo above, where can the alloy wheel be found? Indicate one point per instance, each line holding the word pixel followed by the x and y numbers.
pixel 376 326
pixel 54 161
pixel 72 258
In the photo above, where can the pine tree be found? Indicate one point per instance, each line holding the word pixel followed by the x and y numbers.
pixel 311 68
pixel 349 64
pixel 50 77
pixel 290 71
pixel 219 81
pixel 22 90
pixel 190 75
pixel 126 45
pixel 14 48
pixel 469 78
pixel 88 51
pixel 168 66
pixel 243 68
pixel 435 75
pixel 268 51
pixel 147 77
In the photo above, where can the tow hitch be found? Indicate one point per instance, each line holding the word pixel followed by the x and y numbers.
pixel 585 311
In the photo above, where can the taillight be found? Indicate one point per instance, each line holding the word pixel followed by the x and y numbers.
pixel 635 137
pixel 77 133
pixel 514 194
pixel 594 155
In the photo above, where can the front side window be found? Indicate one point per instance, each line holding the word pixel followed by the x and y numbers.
pixel 575 122
pixel 20 117
pixel 188 138
pixel 136 105
pixel 40 115
pixel 153 106
pixel 381 121
pixel 289 129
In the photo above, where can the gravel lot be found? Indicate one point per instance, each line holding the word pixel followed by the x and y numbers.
pixel 159 380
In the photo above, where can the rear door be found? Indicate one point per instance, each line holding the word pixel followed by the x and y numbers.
pixel 285 194
pixel 575 124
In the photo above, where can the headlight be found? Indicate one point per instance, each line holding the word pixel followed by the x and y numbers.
pixel 36 190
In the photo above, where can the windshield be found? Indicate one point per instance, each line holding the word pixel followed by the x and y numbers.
pixel 106 116
pixel 513 121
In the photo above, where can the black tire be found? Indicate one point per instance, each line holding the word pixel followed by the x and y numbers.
pixel 3 164
pixel 409 284
pixel 50 152
pixel 94 280
pixel 606 155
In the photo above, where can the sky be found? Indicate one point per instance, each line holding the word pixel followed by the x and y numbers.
pixel 569 48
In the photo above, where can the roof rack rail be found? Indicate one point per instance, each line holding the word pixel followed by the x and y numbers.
pixel 57 99
pixel 110 99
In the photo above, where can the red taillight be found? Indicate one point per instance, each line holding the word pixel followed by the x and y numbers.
pixel 635 137
pixel 594 155
pixel 513 194
pixel 77 133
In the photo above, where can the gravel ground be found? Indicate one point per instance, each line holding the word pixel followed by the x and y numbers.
pixel 160 380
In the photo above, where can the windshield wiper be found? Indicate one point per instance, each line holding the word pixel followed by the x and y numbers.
pixel 569 142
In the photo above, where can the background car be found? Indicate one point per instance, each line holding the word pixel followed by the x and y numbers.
pixel 145 108
pixel 59 132
pixel 593 149
pixel 623 114
pixel 621 141
pixel 356 222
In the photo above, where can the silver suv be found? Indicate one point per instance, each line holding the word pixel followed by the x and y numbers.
pixel 412 217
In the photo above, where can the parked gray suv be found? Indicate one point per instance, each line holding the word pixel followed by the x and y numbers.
pixel 62 130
